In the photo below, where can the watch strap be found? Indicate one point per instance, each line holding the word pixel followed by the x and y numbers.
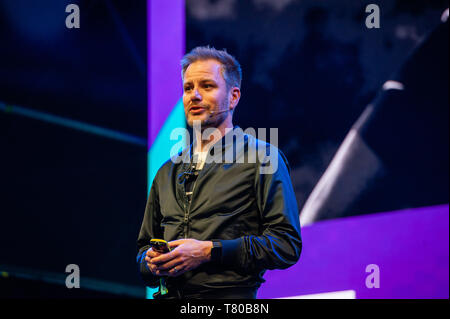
pixel 216 251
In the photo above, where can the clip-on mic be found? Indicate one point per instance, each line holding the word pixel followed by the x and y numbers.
pixel 190 171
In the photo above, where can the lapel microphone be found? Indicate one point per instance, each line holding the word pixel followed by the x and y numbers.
pixel 190 171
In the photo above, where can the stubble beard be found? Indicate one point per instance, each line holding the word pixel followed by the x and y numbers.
pixel 213 120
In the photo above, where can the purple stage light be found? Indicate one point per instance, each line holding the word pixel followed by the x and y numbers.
pixel 409 247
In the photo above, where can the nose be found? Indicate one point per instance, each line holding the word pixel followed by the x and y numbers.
pixel 196 95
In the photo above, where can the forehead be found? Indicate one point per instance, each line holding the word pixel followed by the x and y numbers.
pixel 204 69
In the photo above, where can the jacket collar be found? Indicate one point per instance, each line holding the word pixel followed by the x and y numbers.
pixel 225 142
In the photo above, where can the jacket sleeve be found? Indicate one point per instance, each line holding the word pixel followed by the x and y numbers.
pixel 279 244
pixel 150 228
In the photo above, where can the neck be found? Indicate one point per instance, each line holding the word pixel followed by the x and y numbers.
pixel 204 144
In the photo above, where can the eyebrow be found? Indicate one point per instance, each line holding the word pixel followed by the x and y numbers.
pixel 201 81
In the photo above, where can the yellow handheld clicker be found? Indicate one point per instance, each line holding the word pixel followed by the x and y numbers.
pixel 160 246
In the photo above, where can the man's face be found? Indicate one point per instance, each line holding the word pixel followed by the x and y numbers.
pixel 205 94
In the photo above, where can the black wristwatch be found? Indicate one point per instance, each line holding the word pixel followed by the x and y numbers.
pixel 216 251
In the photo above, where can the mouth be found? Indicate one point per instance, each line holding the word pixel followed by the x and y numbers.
pixel 196 109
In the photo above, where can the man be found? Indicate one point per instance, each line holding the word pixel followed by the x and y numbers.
pixel 226 222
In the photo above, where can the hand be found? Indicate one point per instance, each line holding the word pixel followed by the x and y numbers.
pixel 186 254
pixel 150 253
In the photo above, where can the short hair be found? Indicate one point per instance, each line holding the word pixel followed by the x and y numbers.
pixel 231 69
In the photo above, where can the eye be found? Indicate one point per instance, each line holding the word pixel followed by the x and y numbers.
pixel 187 88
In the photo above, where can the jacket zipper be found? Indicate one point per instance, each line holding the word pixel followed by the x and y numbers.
pixel 186 214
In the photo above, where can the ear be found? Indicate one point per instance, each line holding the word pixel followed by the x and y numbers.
pixel 235 95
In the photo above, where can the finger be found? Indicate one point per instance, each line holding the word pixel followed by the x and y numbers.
pixel 173 272
pixel 162 273
pixel 149 261
pixel 163 258
pixel 169 265
pixel 151 253
pixel 152 268
pixel 176 243
pixel 176 271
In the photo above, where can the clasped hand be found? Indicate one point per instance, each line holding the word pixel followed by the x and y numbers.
pixel 185 255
